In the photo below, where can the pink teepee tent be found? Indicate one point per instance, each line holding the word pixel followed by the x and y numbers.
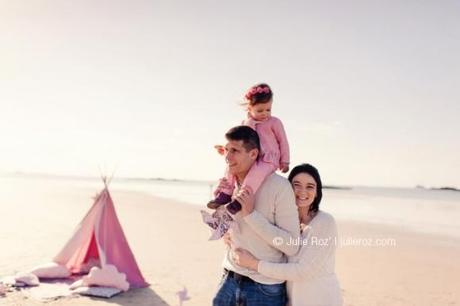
pixel 100 238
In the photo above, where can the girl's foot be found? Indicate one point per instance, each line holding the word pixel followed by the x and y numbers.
pixel 234 207
pixel 221 199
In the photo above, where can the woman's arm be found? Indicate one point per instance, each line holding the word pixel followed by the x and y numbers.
pixel 314 255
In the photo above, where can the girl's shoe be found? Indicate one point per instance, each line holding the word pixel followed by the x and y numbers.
pixel 221 199
pixel 233 207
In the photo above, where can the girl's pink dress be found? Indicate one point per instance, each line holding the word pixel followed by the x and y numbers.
pixel 275 150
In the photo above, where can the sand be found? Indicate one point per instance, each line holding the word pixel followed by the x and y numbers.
pixel 171 247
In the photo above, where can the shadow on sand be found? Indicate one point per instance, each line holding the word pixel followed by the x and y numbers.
pixel 135 297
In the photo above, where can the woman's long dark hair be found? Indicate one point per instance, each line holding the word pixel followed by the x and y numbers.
pixel 311 170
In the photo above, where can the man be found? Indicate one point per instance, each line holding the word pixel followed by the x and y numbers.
pixel 265 232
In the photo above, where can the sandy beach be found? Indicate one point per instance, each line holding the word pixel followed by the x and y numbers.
pixel 151 95
pixel 171 248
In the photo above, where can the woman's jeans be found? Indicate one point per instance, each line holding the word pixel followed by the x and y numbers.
pixel 245 292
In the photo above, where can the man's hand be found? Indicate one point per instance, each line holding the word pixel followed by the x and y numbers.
pixel 245 259
pixel 246 199
pixel 227 239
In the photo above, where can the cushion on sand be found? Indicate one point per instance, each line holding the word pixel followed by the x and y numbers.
pixel 51 270
pixel 108 276
pixel 28 279
pixel 106 292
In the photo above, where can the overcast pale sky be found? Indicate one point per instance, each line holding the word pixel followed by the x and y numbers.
pixel 369 91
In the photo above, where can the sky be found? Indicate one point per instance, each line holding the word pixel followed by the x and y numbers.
pixel 368 91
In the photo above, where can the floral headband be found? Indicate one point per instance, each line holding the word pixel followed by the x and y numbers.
pixel 254 90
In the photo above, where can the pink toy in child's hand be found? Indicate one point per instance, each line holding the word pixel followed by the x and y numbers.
pixel 220 149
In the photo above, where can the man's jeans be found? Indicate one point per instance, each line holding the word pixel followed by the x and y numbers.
pixel 234 292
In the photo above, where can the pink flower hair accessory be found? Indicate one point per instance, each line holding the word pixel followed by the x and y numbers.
pixel 254 90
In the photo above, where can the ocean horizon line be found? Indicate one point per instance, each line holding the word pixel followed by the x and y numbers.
pixel 202 181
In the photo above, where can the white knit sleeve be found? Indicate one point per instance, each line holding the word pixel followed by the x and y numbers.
pixel 286 227
pixel 316 249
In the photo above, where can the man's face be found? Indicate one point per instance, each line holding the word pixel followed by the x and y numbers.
pixel 239 160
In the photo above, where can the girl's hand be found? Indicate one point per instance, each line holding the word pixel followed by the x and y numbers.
pixel 284 167
pixel 245 259
pixel 246 199
pixel 220 149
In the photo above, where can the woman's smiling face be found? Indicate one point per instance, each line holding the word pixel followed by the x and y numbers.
pixel 304 186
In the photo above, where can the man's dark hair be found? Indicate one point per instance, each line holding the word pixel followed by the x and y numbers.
pixel 245 133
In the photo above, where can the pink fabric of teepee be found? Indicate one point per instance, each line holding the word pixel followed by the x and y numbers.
pixel 100 238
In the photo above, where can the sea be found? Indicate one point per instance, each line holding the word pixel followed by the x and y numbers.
pixel 418 209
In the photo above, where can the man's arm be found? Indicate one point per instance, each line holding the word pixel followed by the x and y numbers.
pixel 286 228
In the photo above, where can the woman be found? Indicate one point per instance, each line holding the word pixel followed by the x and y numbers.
pixel 310 274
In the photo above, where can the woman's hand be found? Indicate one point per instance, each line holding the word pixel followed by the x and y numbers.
pixel 246 199
pixel 245 259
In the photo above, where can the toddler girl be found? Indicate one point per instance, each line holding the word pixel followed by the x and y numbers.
pixel 273 142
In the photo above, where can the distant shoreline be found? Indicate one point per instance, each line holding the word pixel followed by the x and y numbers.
pixel 176 180
pixel 444 188
pixel 337 187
